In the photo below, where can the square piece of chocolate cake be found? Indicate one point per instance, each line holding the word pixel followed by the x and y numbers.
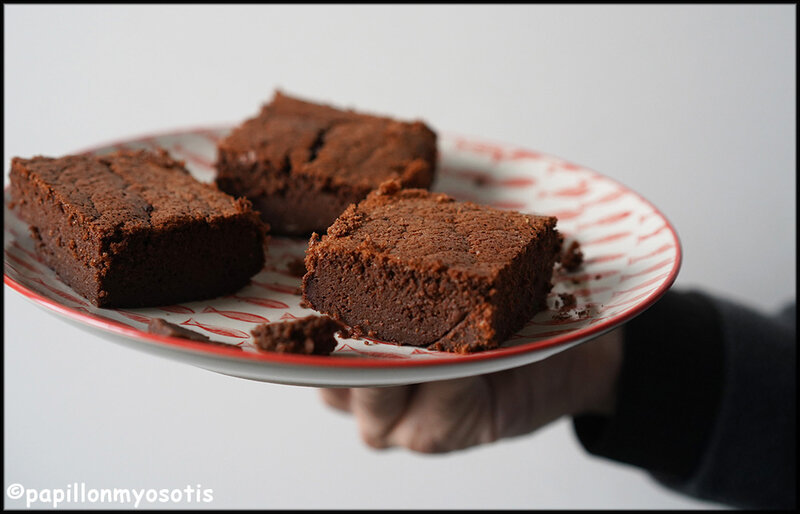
pixel 135 229
pixel 418 268
pixel 302 164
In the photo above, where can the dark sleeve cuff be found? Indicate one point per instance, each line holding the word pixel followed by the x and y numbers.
pixel 668 391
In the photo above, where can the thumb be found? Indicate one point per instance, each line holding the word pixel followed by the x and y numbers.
pixel 377 410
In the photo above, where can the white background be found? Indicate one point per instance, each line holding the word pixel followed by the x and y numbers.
pixel 694 107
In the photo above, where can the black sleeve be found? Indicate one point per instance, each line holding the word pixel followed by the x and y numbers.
pixel 706 402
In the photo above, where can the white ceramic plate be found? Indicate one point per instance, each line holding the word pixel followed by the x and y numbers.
pixel 632 256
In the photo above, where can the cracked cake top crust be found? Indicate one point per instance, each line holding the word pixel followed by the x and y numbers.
pixel 338 147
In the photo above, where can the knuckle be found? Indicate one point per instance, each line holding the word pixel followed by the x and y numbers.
pixel 374 441
pixel 427 445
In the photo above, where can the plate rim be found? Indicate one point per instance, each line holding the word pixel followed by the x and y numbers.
pixel 236 353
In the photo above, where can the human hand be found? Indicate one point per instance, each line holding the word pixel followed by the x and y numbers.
pixel 438 417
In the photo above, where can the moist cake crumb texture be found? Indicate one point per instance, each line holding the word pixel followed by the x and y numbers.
pixel 312 335
pixel 419 268
pixel 573 257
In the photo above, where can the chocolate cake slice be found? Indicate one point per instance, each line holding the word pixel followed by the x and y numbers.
pixel 302 164
pixel 135 229
pixel 422 269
